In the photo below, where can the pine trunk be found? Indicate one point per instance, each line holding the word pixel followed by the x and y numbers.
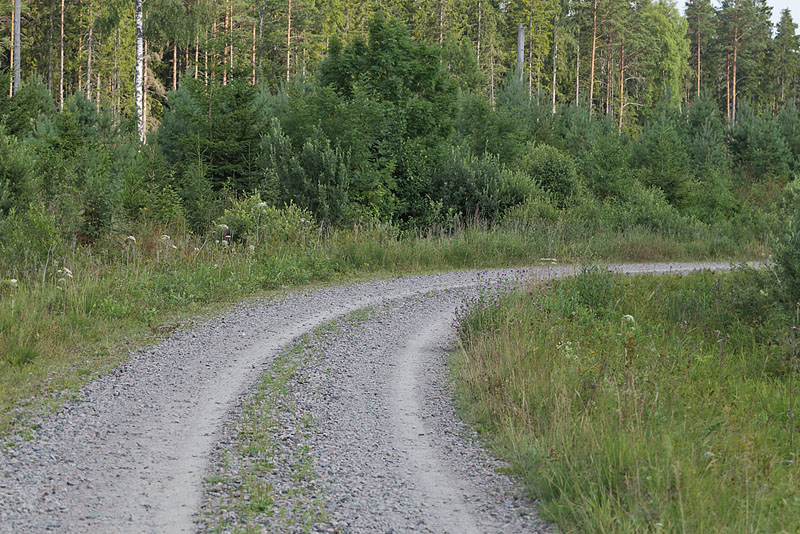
pixel 115 80
pixel 17 44
pixel 621 85
pixel 594 51
pixel 253 55
pixel 521 52
pixel 733 86
pixel 90 44
pixel 289 42
pixel 230 39
pixel 225 51
pixel 50 49
pixel 555 63
pixel 61 66
pixel 441 21
pixel 578 74
pixel 480 28
pixel 698 53
pixel 608 76
pixel 11 59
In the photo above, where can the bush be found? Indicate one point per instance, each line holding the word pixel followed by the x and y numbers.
pixel 758 146
pixel 318 177
pixel 479 186
pixel 787 248
pixel 604 161
pixel 662 159
pixel 30 240
pixel 555 171
pixel 17 178
pixel 252 221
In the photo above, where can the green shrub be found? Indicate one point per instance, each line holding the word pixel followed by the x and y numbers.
pixel 555 171
pixel 758 146
pixel 787 248
pixel 479 186
pixel 660 155
pixel 317 177
pixel 17 178
pixel 710 198
pixel 30 240
pixel 252 221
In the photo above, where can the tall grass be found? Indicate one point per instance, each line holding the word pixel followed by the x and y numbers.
pixel 73 311
pixel 646 404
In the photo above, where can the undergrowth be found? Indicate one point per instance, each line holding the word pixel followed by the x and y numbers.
pixel 641 404
pixel 70 312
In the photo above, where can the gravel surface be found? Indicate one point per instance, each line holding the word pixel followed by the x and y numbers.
pixel 131 453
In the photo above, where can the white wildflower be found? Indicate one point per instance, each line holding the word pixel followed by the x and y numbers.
pixel 12 282
pixel 261 205
pixel 223 227
pixel 165 237
pixel 131 239
pixel 251 249
pixel 174 247
pixel 629 320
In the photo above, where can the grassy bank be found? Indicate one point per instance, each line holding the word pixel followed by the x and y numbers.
pixel 72 312
pixel 642 404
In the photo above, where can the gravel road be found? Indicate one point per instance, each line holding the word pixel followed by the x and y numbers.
pixel 131 454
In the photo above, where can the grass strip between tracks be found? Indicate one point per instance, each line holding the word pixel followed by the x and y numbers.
pixel 641 404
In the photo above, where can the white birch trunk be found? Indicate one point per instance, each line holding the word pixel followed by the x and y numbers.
pixel 139 82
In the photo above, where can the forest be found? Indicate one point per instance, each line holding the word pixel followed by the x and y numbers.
pixel 413 113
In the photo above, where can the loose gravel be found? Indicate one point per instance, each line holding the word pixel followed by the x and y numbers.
pixel 131 453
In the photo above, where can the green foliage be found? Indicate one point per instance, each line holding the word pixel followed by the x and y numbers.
pixel 391 67
pixel 18 181
pixel 758 147
pixel 19 113
pixel 216 126
pixel 252 221
pixel 553 170
pixel 30 240
pixel 789 123
pixel 604 160
pixel 710 198
pixel 317 177
pixel 787 249
pixel 661 158
pixel 479 187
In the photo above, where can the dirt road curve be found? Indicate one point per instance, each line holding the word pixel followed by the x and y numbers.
pixel 131 454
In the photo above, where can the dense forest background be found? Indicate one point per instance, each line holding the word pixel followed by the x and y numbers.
pixel 412 113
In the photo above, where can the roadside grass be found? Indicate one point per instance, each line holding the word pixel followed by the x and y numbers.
pixel 641 404
pixel 77 313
